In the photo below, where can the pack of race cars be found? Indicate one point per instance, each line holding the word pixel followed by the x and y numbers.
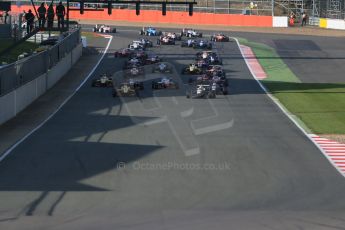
pixel 206 76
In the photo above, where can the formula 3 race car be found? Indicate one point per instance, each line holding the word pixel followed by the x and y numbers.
pixel 175 36
pixel 202 91
pixel 222 82
pixel 164 40
pixel 150 31
pixel 140 54
pixel 188 43
pixel 125 90
pixel 136 84
pixel 212 57
pixel 103 81
pixel 152 59
pixel 215 70
pixel 191 33
pixel 203 64
pixel 192 69
pixel 162 68
pixel 143 43
pixel 126 52
pixel 202 44
pixel 133 62
pixel 133 72
pixel 104 29
pixel 164 83
pixel 220 38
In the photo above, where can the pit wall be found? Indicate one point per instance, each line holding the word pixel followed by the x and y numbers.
pixel 17 100
pixel 174 17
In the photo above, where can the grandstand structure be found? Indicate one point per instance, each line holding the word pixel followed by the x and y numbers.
pixel 314 8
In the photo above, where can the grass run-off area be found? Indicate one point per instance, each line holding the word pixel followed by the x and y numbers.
pixel 12 56
pixel 320 106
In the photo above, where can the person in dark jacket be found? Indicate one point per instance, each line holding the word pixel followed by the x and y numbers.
pixel 304 19
pixel 6 17
pixel 29 17
pixel 60 13
pixel 50 16
pixel 42 15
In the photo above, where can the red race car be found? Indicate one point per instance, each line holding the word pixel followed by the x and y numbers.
pixel 220 38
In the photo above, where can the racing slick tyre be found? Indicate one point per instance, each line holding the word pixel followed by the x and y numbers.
pixel 113 30
pixel 141 32
pixel 211 95
pixel 109 84
pixel 94 29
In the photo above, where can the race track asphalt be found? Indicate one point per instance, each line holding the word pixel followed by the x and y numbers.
pixel 102 162
pixel 313 59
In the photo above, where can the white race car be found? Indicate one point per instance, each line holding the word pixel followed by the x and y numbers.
pixel 104 29
pixel 191 33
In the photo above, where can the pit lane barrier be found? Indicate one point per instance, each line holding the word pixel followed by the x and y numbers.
pixel 24 81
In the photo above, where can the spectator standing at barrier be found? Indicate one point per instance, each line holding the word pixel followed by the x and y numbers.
pixel 29 17
pixel 50 16
pixel 6 18
pixel 60 13
pixel 292 19
pixel 304 19
pixel 42 15
pixel 23 15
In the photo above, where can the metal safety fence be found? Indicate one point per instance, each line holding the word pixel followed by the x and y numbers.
pixel 25 70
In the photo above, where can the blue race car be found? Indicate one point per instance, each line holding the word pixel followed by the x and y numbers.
pixel 150 31
pixel 202 44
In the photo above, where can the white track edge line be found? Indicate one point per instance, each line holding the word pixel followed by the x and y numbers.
pixel 280 106
pixel 8 151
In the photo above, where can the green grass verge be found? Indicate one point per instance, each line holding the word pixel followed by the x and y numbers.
pixel 15 52
pixel 320 106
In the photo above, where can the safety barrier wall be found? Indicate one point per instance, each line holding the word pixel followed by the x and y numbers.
pixel 335 24
pixel 323 23
pixel 328 23
pixel 15 101
pixel 281 21
pixel 19 73
pixel 176 17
